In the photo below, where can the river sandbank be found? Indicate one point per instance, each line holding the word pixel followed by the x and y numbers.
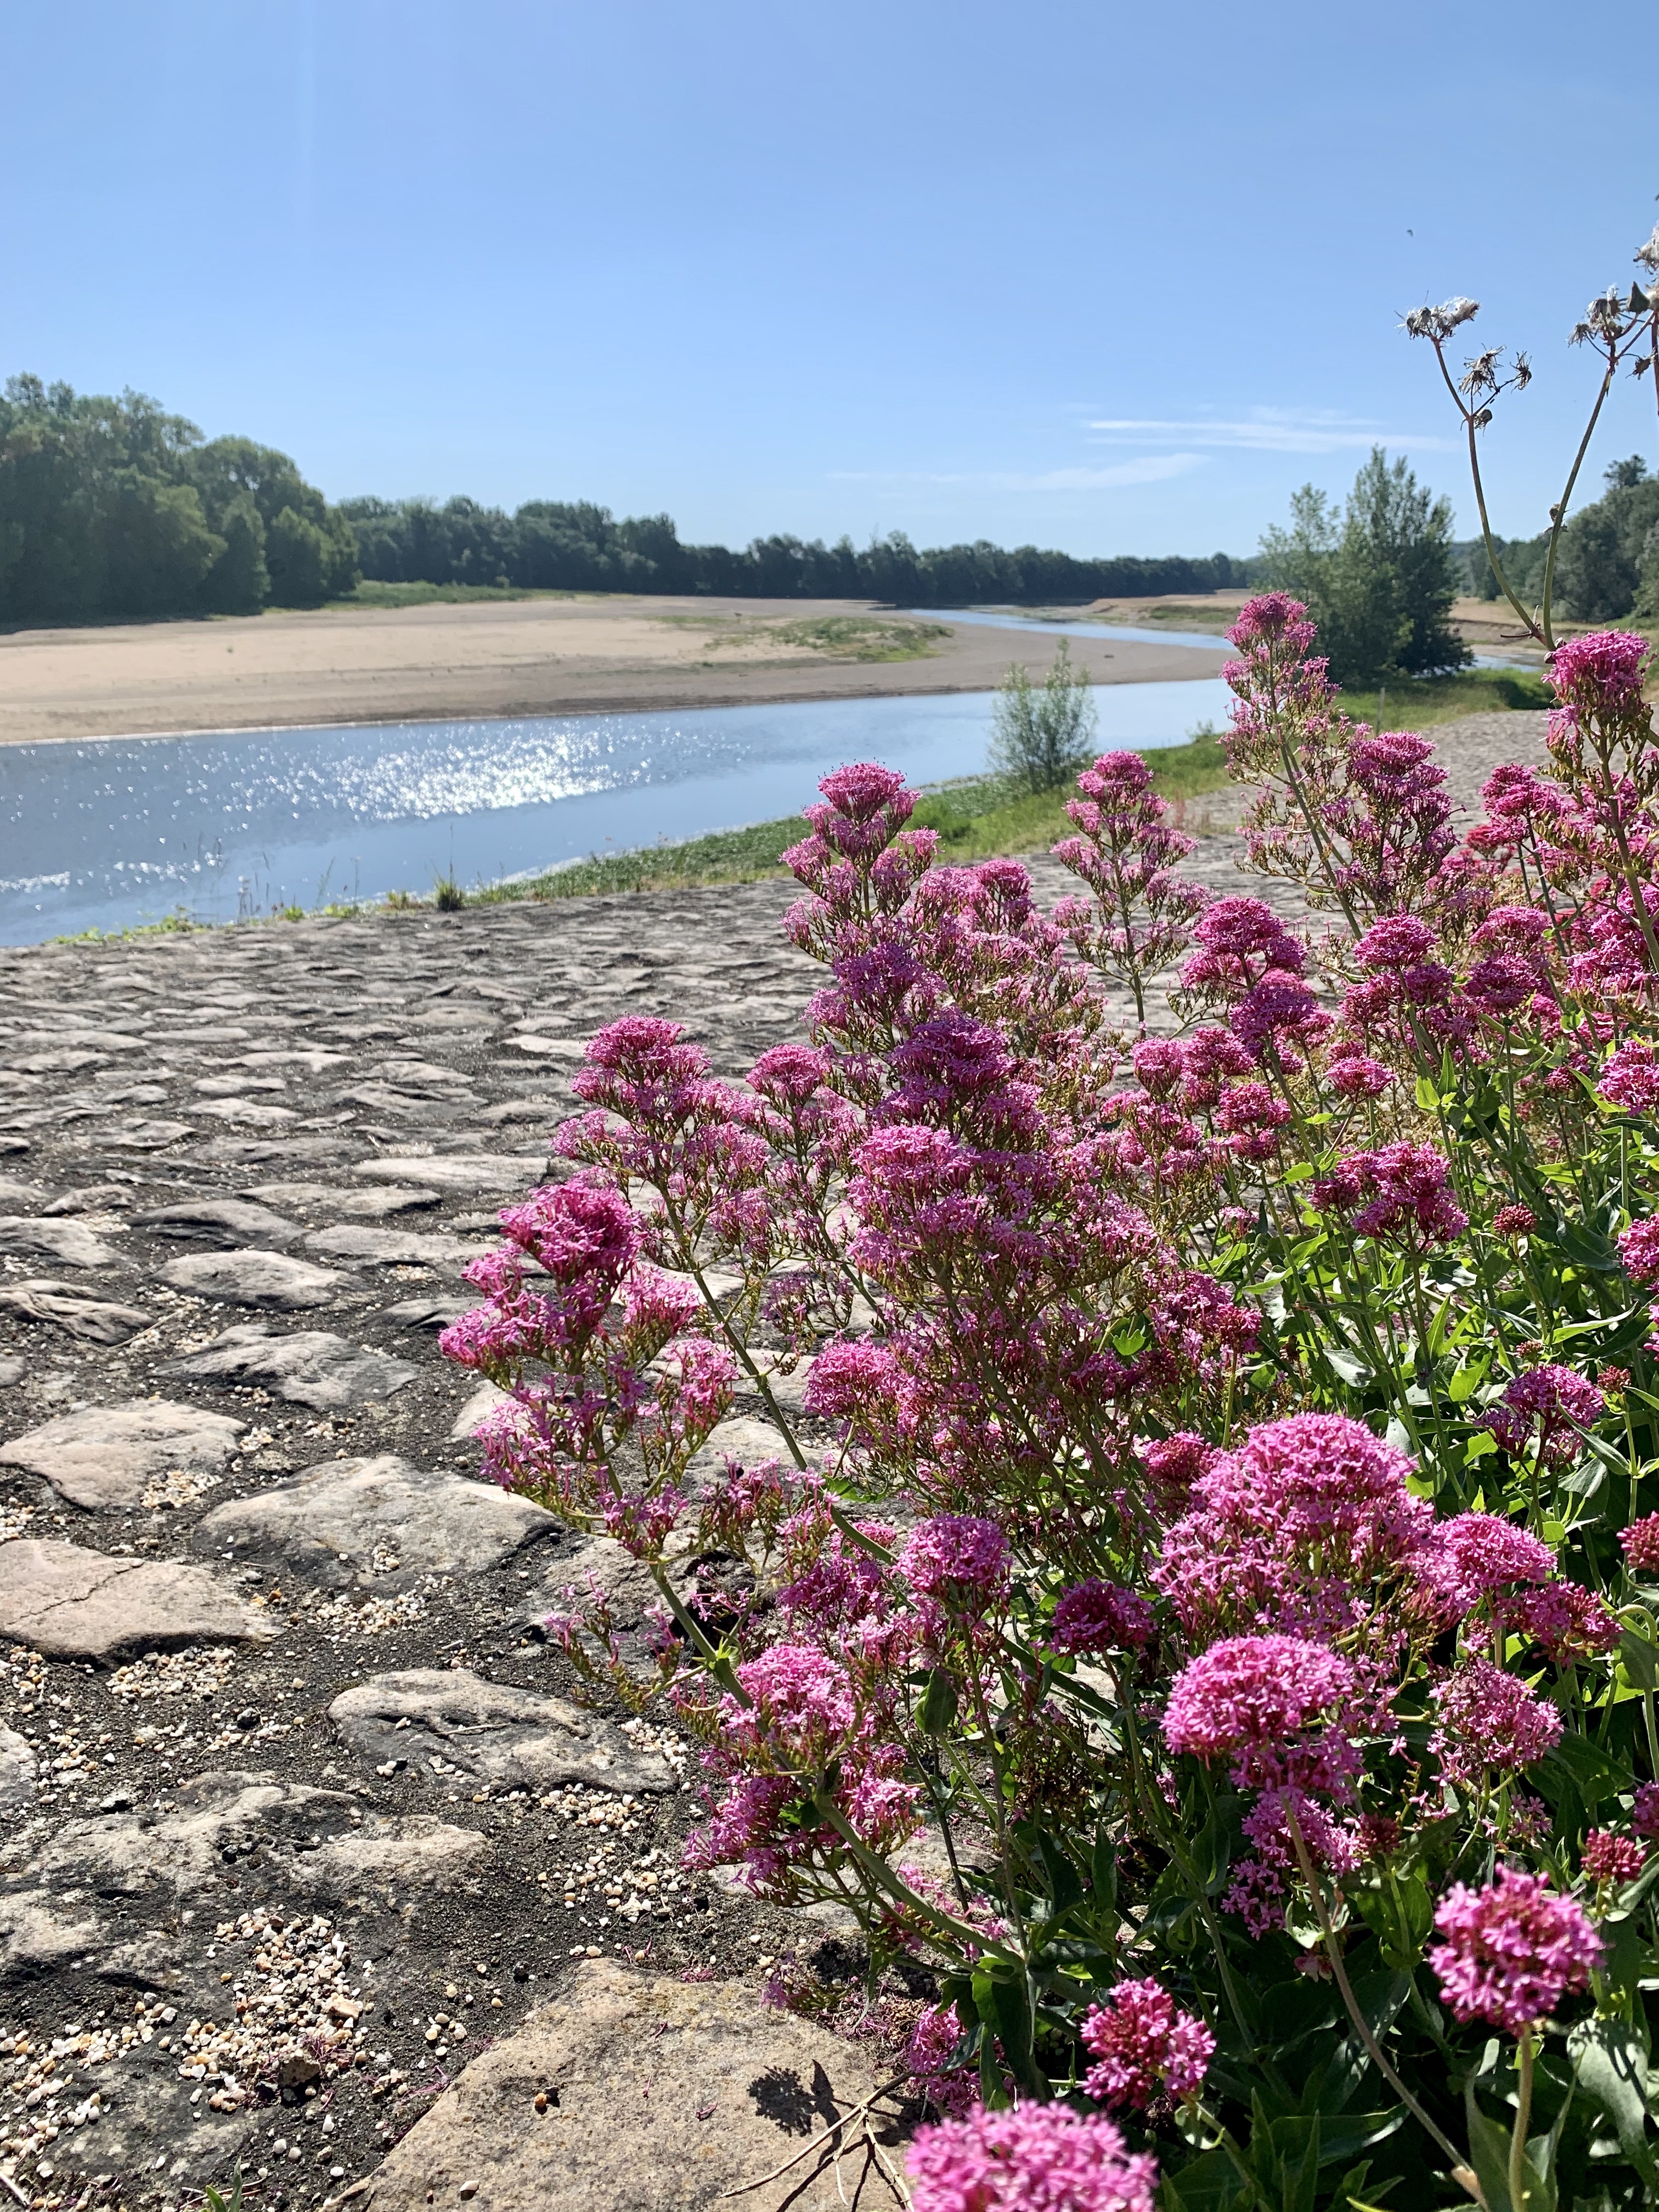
pixel 349 664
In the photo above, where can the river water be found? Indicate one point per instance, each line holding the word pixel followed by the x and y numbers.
pixel 115 832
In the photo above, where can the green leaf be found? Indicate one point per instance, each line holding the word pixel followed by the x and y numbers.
pixel 1573 1777
pixel 1540 2155
pixel 1065 1883
pixel 1586 1248
pixel 1465 1382
pixel 1004 2005
pixel 1428 1096
pixel 1103 1870
pixel 1349 1367
pixel 1399 1911
pixel 994 2093
pixel 1638 1659
pixel 1489 2153
pixel 1210 2184
pixel 1612 2067
pixel 1344 2134
pixel 938 1707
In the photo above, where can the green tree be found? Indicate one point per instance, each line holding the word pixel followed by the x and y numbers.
pixel 1043 734
pixel 114 506
pixel 156 545
pixel 1599 571
pixel 239 582
pixel 1379 576
pixel 1647 589
pixel 297 555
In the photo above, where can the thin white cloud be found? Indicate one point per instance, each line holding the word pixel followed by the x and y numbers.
pixel 1154 467
pixel 1266 430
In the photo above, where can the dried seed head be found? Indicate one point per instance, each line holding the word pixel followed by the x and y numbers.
pixel 1439 322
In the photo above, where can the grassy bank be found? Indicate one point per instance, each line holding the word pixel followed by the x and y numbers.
pixel 862 637
pixel 975 819
pixel 1418 702
pixel 429 595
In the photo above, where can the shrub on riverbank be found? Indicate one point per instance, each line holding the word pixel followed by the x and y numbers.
pixel 1205 1620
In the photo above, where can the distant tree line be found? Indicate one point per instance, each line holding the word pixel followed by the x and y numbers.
pixel 112 507
pixel 1608 566
pixel 548 545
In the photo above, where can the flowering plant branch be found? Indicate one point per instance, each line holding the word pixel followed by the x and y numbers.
pixel 1206 1561
pixel 1613 325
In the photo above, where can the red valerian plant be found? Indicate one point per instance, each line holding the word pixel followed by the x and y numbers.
pixel 1201 1605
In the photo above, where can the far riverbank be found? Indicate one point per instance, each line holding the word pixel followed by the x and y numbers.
pixel 346 665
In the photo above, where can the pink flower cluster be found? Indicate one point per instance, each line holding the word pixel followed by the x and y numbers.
pixel 1097 1616
pixel 1250 1698
pixel 930 2058
pixel 958 1562
pixel 1638 1248
pixel 1241 943
pixel 1294 1530
pixel 1548 1407
pixel 1489 1719
pixel 1609 1857
pixel 1631 1078
pixel 1032 2158
pixel 1513 1950
pixel 1398 1194
pixel 1601 673
pixel 1142 2042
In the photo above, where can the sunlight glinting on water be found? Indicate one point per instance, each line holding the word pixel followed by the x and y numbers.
pixel 122 831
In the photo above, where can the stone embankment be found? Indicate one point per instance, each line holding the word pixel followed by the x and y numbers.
pixel 303 1823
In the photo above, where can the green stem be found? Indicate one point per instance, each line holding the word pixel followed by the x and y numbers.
pixel 716 1661
pixel 1558 516
pixel 1530 622
pixel 1520 2182
pixel 1333 1951
pixel 895 1886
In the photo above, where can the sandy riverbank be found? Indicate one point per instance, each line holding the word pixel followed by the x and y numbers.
pixel 501 657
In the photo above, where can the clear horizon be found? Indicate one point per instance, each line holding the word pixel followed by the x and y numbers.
pixel 1063 279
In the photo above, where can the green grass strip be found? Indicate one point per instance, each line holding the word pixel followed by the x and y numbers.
pixel 976 820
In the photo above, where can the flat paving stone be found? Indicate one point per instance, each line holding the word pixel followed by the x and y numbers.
pixel 246 1112
pixel 72 1308
pixel 381 1521
pixel 151 1136
pixel 274 1281
pixel 106 1456
pixel 313 1197
pixel 672 2097
pixel 226 1222
pixel 72 1603
pixel 460 1171
pixel 434 1313
pixel 489 1398
pixel 741 1437
pixel 91 1198
pixel 311 1367
pixel 508 1738
pixel 70 1243
pixel 361 1246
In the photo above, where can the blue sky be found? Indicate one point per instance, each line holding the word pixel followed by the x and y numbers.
pixel 1110 277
